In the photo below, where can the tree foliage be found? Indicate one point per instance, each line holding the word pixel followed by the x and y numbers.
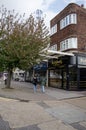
pixel 21 39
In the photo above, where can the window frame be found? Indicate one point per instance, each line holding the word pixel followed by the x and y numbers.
pixel 69 19
pixel 70 43
pixel 53 29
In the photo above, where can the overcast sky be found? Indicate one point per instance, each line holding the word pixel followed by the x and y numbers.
pixel 50 8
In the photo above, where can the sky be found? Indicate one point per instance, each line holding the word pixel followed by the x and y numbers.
pixel 50 8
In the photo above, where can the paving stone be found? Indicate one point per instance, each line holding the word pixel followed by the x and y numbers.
pixel 78 126
pixel 44 105
pixel 62 94
pixel 55 125
pixel 38 111
pixel 67 113
pixel 4 125
pixel 30 127
pixel 83 123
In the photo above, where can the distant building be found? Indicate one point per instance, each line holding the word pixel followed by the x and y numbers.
pixel 68 35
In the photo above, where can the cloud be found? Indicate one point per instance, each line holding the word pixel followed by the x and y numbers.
pixel 70 1
pixel 49 16
pixel 28 6
pixel 48 13
pixel 47 3
pixel 22 5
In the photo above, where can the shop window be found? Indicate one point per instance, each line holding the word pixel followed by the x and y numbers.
pixel 73 76
pixel 55 78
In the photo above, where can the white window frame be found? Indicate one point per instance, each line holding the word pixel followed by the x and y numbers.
pixel 69 19
pixel 53 47
pixel 53 29
pixel 69 43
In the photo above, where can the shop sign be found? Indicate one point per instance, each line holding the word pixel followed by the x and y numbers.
pixel 41 66
pixel 56 63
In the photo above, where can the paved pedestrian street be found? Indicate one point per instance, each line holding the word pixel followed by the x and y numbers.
pixel 41 111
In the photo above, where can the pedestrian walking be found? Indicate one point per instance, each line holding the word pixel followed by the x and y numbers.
pixel 38 81
pixel 35 83
pixel 5 78
pixel 43 83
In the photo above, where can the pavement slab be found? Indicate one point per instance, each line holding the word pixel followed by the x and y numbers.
pixel 59 95
pixel 79 102
pixel 78 126
pixel 55 125
pixel 20 114
pixel 56 109
pixel 67 113
pixel 30 127
pixel 4 125
pixel 83 123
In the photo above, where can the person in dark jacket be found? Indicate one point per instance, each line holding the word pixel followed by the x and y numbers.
pixel 35 83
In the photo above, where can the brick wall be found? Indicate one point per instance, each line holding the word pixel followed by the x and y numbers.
pixel 74 30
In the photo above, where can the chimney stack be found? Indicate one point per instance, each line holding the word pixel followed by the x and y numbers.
pixel 82 5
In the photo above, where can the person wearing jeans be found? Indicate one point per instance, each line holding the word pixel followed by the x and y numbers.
pixel 35 83
pixel 43 83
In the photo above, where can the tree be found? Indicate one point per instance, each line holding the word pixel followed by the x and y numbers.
pixel 21 40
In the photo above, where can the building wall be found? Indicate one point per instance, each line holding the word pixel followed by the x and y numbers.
pixel 71 74
pixel 73 30
pixel 81 28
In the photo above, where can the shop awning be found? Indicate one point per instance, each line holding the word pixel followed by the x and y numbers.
pixel 59 53
pixel 51 54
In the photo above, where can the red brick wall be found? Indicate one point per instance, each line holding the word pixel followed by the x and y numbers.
pixel 74 30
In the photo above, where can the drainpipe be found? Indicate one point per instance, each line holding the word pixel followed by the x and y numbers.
pixel 67 70
pixel 78 73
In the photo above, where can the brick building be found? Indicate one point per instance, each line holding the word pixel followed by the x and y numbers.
pixel 68 35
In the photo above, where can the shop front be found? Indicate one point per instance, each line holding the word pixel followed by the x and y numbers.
pixel 68 72
pixel 55 73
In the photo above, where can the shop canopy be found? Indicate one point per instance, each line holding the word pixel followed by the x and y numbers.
pixel 49 54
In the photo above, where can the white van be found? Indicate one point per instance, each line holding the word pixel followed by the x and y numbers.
pixel 19 75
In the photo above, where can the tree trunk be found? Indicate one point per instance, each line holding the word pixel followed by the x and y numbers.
pixel 8 85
